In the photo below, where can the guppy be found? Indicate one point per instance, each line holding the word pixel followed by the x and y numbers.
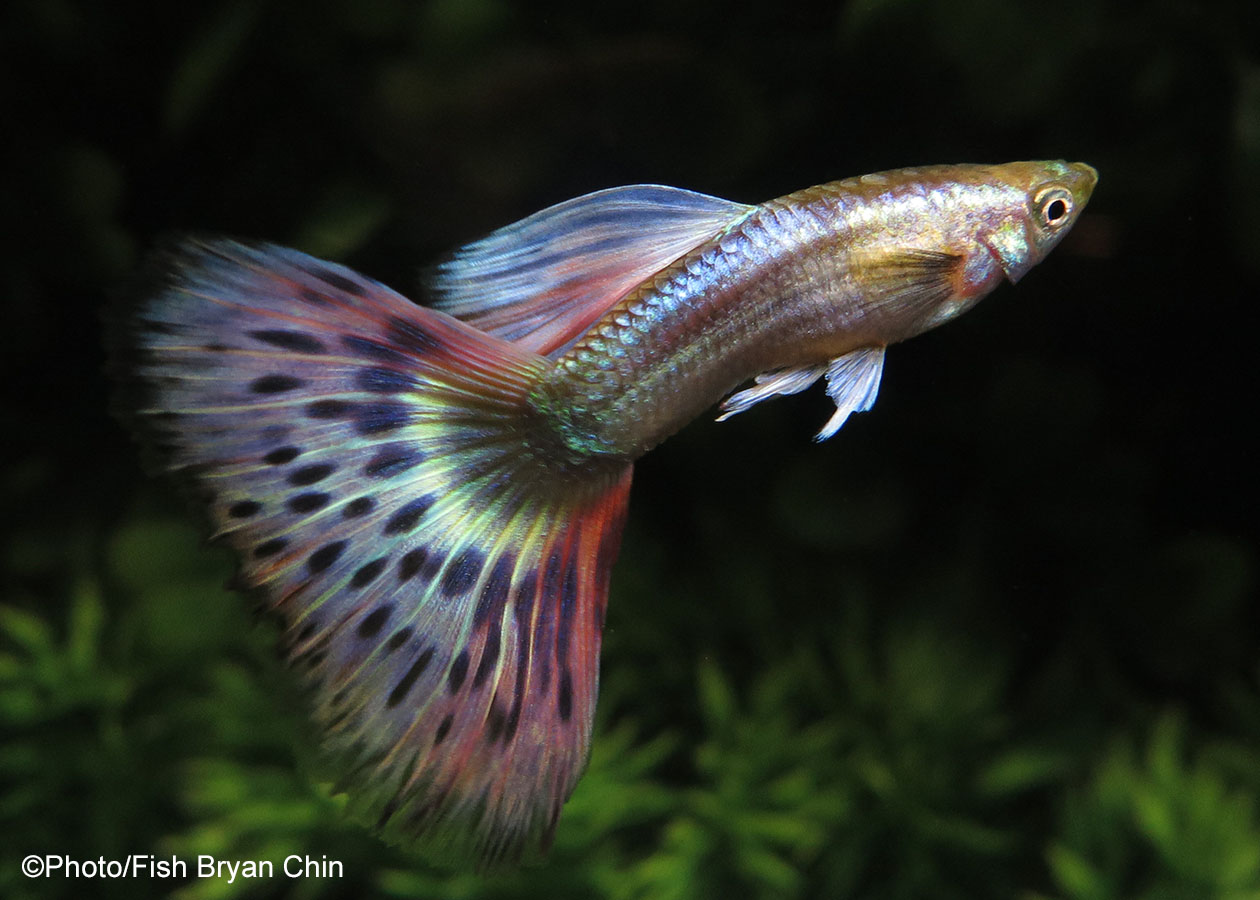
pixel 430 499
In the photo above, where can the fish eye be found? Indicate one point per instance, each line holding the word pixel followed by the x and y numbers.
pixel 1054 206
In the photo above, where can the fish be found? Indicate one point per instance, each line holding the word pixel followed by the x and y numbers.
pixel 429 499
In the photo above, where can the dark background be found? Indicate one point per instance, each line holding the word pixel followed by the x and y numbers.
pixel 998 638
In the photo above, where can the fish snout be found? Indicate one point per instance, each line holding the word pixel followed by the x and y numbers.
pixel 1083 179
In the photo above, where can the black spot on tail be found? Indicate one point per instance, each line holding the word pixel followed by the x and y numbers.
pixel 408 516
pixel 545 633
pixel 373 349
pixel 568 604
pixel 412 336
pixel 443 729
pixel 462 573
pixel 325 556
pixel 544 637
pixel 459 669
pixel 432 566
pixel 393 460
pixel 489 656
pixel 274 384
pixel 564 698
pixel 359 506
pixel 378 418
pixel 552 573
pixel 281 455
pixel 411 563
pixel 308 502
pixel 365 574
pixel 399 693
pixel 329 409
pixel 290 340
pixel 495 592
pixel 374 621
pixel 385 381
pixel 522 609
pixel 397 639
pixel 420 561
pixel 311 474
pixel 490 610
pixel 270 548
pixel 244 509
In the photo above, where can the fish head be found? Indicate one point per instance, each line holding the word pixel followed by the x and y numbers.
pixel 964 229
pixel 1046 198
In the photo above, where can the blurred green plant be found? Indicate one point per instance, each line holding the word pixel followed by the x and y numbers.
pixel 51 687
pixel 863 765
pixel 764 802
pixel 1159 821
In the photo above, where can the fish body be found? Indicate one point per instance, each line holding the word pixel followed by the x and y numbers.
pixel 430 500
pixel 800 281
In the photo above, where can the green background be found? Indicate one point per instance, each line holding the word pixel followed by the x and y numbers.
pixel 999 638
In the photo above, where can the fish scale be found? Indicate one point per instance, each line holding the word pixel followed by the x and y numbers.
pixel 431 500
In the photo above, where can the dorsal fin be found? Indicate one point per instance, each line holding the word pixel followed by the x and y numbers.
pixel 543 281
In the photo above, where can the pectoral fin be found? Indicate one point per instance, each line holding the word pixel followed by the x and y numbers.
pixel 910 282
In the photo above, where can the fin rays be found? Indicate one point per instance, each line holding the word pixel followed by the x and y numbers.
pixel 543 281
pixel 852 384
pixel 366 459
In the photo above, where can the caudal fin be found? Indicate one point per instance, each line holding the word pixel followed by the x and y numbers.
pixel 374 466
